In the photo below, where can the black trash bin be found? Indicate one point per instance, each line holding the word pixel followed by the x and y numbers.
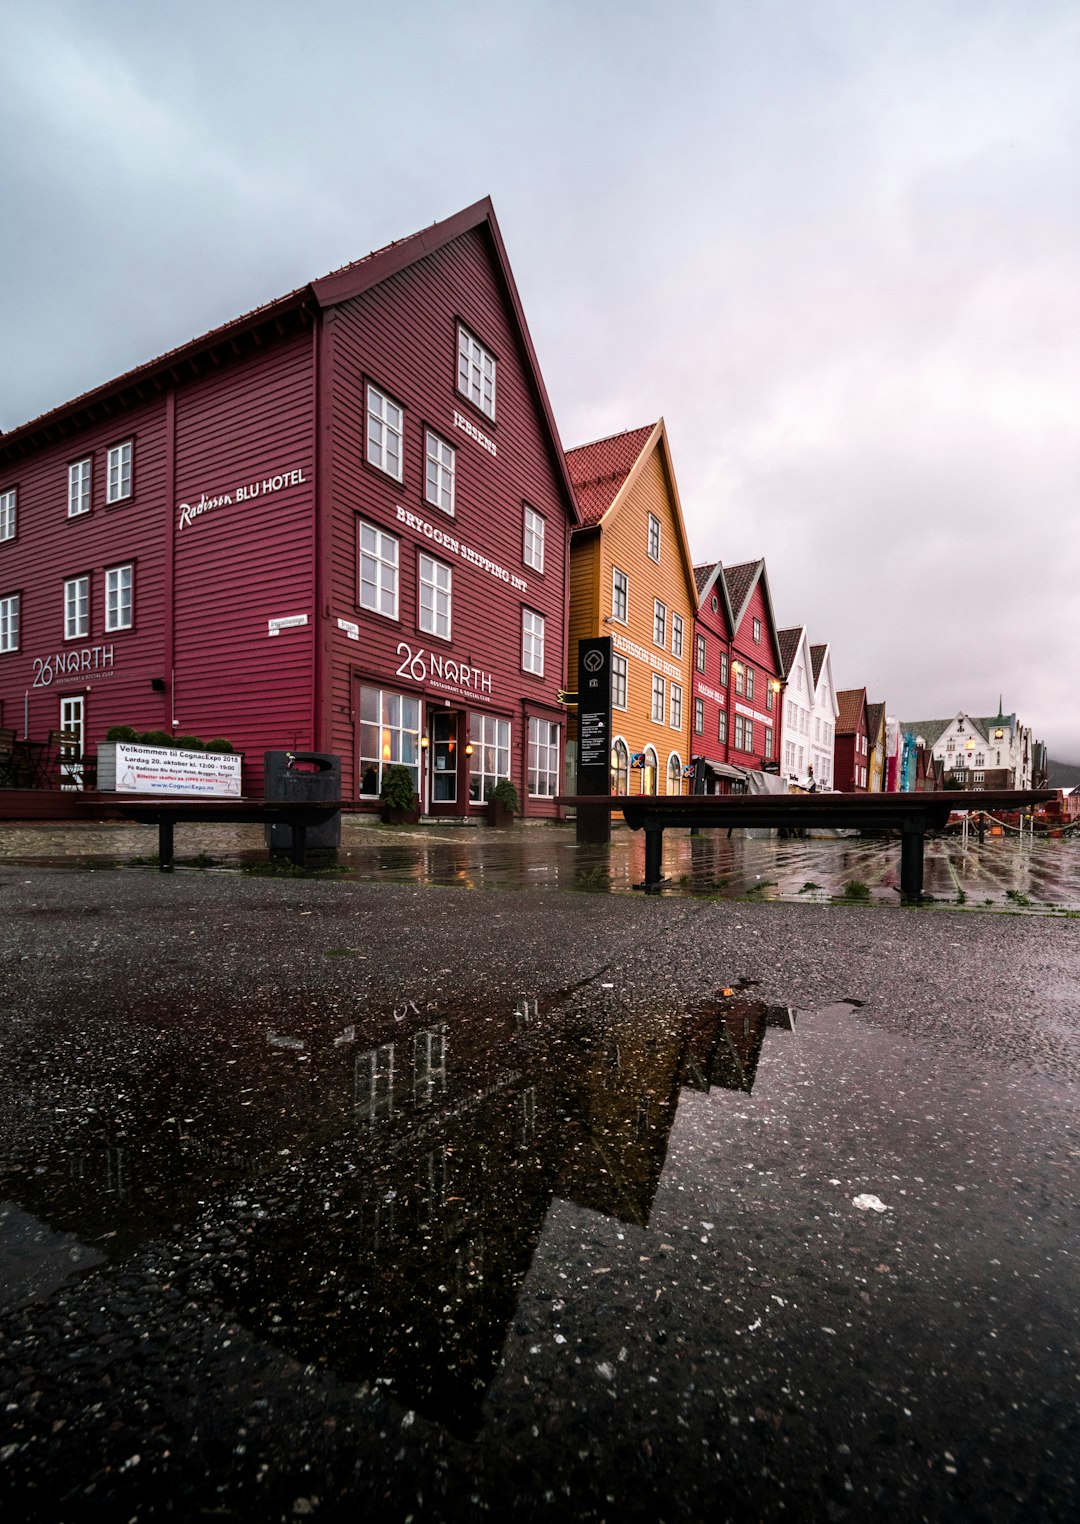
pixel 303 777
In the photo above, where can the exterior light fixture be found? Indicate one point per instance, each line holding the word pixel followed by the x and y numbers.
pixel 424 743
pixel 468 748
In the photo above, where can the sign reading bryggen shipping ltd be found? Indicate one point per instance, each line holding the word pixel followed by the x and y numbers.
pixel 264 486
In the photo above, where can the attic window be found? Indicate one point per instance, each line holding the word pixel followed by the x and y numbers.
pixel 715 603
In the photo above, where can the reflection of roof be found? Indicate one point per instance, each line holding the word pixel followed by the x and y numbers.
pixel 817 658
pixel 599 469
pixel 852 702
pixel 789 644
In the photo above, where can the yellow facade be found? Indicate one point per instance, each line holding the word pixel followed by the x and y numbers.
pixel 639 547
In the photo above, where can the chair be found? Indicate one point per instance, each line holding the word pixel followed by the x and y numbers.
pixel 64 760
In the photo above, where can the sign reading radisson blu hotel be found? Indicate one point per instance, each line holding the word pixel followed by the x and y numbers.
pixel 594 716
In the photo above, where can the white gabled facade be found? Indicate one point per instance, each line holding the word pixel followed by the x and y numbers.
pixel 824 713
pixel 795 731
pixel 989 752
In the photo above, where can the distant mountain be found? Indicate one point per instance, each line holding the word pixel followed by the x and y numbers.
pixel 1063 774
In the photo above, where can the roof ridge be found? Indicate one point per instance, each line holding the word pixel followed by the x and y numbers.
pixel 588 444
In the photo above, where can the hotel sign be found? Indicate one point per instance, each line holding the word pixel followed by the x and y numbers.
pixel 264 487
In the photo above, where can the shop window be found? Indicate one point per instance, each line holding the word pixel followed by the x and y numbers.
pixel 699 716
pixel 476 373
pixel 654 538
pixel 674 774
pixel 620 588
pixel 534 540
pixel 378 570
pixel 439 471
pixel 119 598
pixel 7 514
pixel 118 472
pixel 543 759
pixel 658 698
pixel 676 634
pixel 389 732
pixel 490 761
pixel 532 642
pixel 9 623
pixel 620 767
pixel 385 429
pixel 650 781
pixel 77 608
pixel 618 681
pixel 659 623
pixel 435 589
pixel 699 652
pixel 675 717
pixel 78 488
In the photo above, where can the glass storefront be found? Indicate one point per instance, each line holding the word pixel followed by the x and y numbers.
pixel 389 732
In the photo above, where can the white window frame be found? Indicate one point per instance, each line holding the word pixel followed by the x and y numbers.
pixel 380 561
pixel 382 431
pixel 79 476
pixel 543 758
pixel 532 642
pixel 440 473
pixel 434 602
pixel 8 513
pixel 476 370
pixel 620 595
pixel 118 615
pixel 659 623
pixel 118 469
pixel 675 706
pixel 659 698
pixel 76 608
pixel 620 680
pixel 9 622
pixel 533 546
pixel 490 737
pixel 756 630
pixel 654 538
pixel 676 634
pixel 389 732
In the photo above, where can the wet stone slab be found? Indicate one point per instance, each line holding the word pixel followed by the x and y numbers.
pixel 325 1197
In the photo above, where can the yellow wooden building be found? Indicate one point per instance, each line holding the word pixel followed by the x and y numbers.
pixel 631 577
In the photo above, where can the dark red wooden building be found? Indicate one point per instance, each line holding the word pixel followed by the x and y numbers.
pixel 738 673
pixel 339 522
pixel 851 751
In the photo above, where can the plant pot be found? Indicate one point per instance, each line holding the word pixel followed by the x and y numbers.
pixel 499 814
pixel 399 814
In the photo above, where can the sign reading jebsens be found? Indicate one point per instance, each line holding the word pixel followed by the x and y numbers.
pixel 161 770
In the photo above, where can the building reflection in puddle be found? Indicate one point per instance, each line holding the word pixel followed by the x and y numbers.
pixel 370 1198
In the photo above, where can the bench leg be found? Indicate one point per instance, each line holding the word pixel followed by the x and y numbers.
pixel 911 861
pixel 654 845
pixel 165 845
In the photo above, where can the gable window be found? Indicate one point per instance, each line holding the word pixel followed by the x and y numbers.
pixel 699 652
pixel 476 372
pixel 438 473
pixel 675 720
pixel 658 698
pixel 385 427
pixel 699 716
pixel 676 634
pixel 534 540
pixel 77 608
pixel 654 537
pixel 543 758
pixel 435 588
pixel 620 588
pixel 118 473
pixel 659 622
pixel 757 632
pixel 532 642
pixel 378 571
pixel 9 623
pixel 7 514
pixel 78 488
pixel 119 597
pixel 618 681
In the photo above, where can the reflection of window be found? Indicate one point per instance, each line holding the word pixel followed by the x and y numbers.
pixel 619 593
pixel 389 732
pixel 620 768
pixel 618 681
pixel 433 1182
pixel 527 1105
pixel 490 761
pixel 543 758
pixel 429 1064
pixel 373 1085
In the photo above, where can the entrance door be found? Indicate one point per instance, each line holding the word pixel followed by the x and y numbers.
pixel 73 731
pixel 443 752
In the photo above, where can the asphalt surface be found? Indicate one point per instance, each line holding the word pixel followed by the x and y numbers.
pixel 325 1197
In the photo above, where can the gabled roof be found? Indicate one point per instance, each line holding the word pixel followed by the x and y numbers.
pixel 930 730
pixel 709 581
pixel 875 716
pixel 612 468
pixel 788 641
pixel 598 470
pixel 740 581
pixel 852 703
pixel 817 659
pixel 703 575
pixel 301 306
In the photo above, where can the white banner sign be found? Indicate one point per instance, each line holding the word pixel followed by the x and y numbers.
pixel 161 770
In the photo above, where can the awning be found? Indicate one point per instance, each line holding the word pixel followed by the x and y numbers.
pixel 725 770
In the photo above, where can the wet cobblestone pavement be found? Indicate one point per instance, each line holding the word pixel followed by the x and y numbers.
pixel 342 1196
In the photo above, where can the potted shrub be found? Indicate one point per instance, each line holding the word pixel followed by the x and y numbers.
pixel 400 805
pixel 502 803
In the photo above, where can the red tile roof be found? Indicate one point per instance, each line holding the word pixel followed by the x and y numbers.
pixel 852 702
pixel 599 469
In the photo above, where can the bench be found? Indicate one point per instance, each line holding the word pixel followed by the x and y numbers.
pixel 166 814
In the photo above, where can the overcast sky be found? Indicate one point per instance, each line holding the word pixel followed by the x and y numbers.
pixel 833 242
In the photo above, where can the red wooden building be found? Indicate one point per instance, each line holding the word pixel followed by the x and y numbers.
pixel 738 673
pixel 340 522
pixel 851 751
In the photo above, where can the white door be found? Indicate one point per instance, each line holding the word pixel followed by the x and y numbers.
pixel 73 725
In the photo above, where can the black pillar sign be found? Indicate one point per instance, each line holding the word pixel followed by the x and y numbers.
pixel 594 716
